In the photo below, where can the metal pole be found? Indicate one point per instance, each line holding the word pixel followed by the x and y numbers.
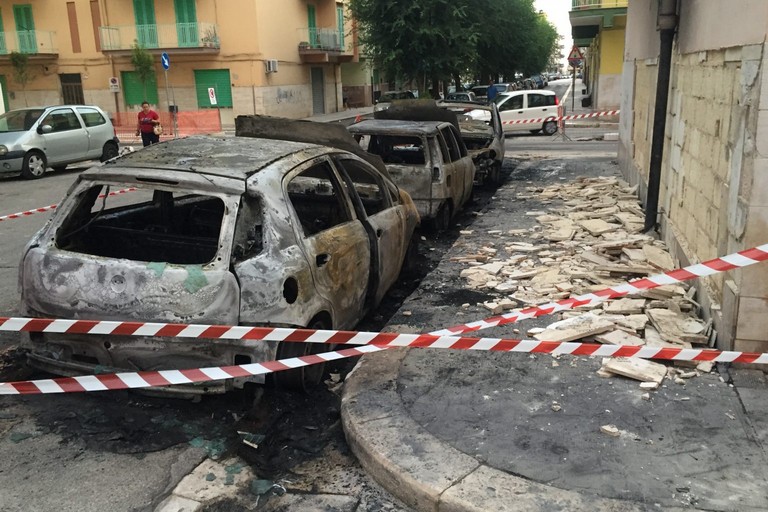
pixel 168 95
pixel 175 115
pixel 573 88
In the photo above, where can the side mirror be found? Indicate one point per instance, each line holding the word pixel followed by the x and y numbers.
pixel 44 128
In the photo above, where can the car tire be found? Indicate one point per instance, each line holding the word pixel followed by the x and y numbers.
pixel 305 377
pixel 33 166
pixel 442 220
pixel 495 175
pixel 110 151
pixel 410 262
pixel 550 127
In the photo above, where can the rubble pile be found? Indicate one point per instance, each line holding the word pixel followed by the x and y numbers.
pixel 590 241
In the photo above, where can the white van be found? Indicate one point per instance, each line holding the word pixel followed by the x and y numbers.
pixel 518 106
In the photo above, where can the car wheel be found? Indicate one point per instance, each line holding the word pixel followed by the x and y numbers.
pixel 442 220
pixel 550 127
pixel 34 165
pixel 305 377
pixel 410 263
pixel 110 151
pixel 495 176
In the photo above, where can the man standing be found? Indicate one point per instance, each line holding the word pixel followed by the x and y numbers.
pixel 491 92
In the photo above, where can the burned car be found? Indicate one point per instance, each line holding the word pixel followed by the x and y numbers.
pixel 219 230
pixel 484 138
pixel 427 158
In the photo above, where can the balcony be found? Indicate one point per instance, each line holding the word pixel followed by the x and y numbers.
pixel 178 38
pixel 38 44
pixel 589 16
pixel 320 45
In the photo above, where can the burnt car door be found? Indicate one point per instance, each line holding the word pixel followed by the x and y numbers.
pixel 459 168
pixel 386 219
pixel 334 240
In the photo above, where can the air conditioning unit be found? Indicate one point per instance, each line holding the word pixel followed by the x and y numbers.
pixel 271 65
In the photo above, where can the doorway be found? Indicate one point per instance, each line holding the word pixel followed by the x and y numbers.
pixel 72 88
pixel 318 91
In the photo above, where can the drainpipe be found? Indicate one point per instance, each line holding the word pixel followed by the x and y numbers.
pixel 667 23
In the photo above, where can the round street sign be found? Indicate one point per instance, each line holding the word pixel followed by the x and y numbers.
pixel 165 60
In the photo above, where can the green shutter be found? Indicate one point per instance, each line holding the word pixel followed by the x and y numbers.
pixel 4 85
pixel 146 27
pixel 3 46
pixel 312 24
pixel 186 22
pixel 219 80
pixel 134 90
pixel 340 20
pixel 25 28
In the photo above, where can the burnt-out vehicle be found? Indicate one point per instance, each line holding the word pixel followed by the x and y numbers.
pixel 427 158
pixel 484 138
pixel 219 230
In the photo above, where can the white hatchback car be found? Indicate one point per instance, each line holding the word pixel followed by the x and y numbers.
pixel 518 108
pixel 32 139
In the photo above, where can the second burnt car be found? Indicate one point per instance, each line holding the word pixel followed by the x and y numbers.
pixel 220 231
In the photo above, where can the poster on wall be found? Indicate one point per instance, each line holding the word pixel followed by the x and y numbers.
pixel 212 95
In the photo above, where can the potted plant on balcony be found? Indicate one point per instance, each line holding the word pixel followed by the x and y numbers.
pixel 304 45
pixel 210 38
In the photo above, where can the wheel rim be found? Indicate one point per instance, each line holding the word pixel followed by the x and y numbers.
pixel 550 128
pixel 35 165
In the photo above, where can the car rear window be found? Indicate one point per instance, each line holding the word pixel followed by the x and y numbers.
pixel 147 224
pixel 91 117
pixel 397 149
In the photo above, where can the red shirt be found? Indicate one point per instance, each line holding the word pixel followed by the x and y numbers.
pixel 145 120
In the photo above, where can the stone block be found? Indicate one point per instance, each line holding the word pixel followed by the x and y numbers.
pixel 756 232
pixel 742 345
pixel 754 283
pixel 762 133
pixel 752 322
pixel 752 52
pixel 759 190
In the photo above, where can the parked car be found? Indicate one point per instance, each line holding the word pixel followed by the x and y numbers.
pixel 524 105
pixel 504 87
pixel 33 139
pixel 538 82
pixel 427 158
pixel 222 231
pixel 461 96
pixel 386 99
pixel 484 139
pixel 481 92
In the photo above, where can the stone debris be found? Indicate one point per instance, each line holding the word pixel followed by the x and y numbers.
pixel 591 239
pixel 611 430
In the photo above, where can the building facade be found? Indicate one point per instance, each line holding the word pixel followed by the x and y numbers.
pixel 600 27
pixel 235 56
pixel 713 197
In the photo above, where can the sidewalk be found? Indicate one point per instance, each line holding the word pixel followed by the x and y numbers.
pixel 573 107
pixel 449 430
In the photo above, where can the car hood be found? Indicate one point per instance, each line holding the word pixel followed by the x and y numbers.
pixel 14 138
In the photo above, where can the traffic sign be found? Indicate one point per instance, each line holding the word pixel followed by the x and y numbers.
pixel 575 54
pixel 165 60
pixel 114 84
pixel 212 95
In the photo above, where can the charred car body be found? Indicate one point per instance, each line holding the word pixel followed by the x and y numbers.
pixel 227 231
pixel 424 154
pixel 484 139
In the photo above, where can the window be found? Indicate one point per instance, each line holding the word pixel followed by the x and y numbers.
pixel 396 149
pixel 340 22
pixel 318 199
pixel 248 241
pixel 146 225
pixel 450 141
pixel 513 103
pixel 91 117
pixel 368 186
pixel 62 120
pixel 537 100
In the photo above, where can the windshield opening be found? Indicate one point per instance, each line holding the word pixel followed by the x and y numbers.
pixel 19 120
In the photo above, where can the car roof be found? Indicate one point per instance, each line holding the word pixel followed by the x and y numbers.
pixel 523 91
pixel 382 126
pixel 226 156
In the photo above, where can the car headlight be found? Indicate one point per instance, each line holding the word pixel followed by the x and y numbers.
pixel 3 150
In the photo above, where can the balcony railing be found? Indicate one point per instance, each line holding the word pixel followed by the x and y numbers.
pixel 326 39
pixel 578 5
pixel 28 41
pixel 171 35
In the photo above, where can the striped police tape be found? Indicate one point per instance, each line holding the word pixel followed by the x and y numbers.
pixel 438 339
pixel 564 118
pixel 54 206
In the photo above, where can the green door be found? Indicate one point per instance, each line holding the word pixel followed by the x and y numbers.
pixel 3 46
pixel 340 21
pixel 25 28
pixel 146 28
pixel 213 88
pixel 186 23
pixel 312 22
pixel 136 92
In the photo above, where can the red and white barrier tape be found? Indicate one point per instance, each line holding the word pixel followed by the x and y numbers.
pixel 704 269
pixel 53 206
pixel 564 118
pixel 369 340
